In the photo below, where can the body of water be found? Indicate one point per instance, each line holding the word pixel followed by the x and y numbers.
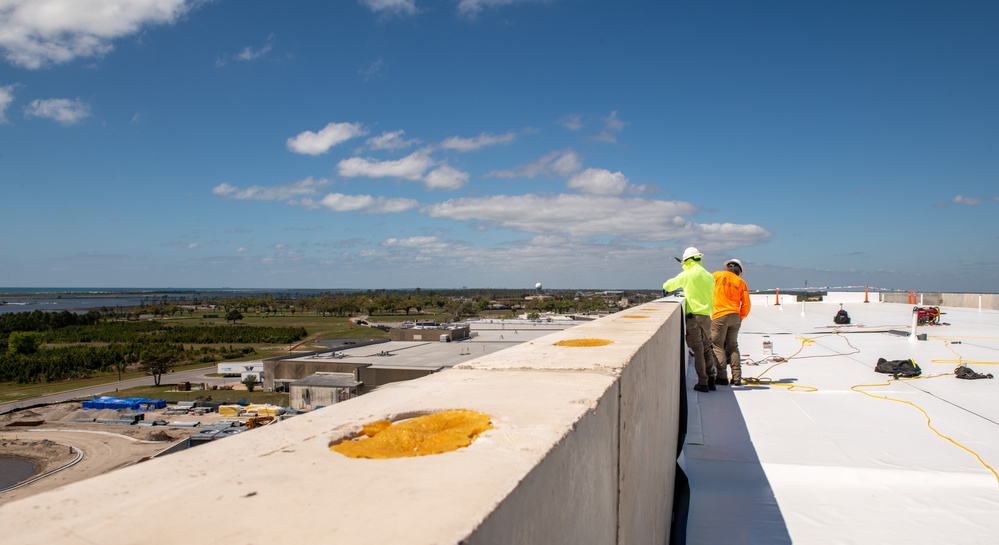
pixel 14 470
pixel 84 299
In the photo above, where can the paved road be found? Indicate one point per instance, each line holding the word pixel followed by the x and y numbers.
pixel 194 375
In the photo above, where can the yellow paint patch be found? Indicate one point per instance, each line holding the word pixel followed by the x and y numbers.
pixel 428 434
pixel 584 342
pixel 634 316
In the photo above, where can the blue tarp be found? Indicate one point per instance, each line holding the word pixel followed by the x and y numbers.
pixel 129 403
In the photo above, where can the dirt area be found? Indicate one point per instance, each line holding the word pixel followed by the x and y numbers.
pixel 44 435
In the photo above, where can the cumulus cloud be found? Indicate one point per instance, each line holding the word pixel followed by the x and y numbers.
pixel 301 188
pixel 39 33
pixel 478 142
pixel 561 163
pixel 391 141
pixel 967 200
pixel 410 167
pixel 391 7
pixel 311 143
pixel 6 98
pixel 61 110
pixel 445 177
pixel 338 202
pixel 573 215
pixel 597 181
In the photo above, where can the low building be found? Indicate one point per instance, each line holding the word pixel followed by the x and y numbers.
pixel 321 389
pixel 434 332
pixel 241 368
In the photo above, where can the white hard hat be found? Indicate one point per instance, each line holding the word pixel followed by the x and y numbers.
pixel 691 252
pixel 736 262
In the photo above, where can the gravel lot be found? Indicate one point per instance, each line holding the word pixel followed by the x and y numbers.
pixel 44 435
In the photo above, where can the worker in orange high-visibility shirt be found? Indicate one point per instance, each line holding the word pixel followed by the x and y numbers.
pixel 731 306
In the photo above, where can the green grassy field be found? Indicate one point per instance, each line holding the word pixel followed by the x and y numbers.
pixel 318 328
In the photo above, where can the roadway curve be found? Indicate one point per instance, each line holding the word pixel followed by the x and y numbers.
pixel 103 451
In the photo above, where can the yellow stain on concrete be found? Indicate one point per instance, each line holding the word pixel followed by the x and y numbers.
pixel 584 342
pixel 635 316
pixel 435 433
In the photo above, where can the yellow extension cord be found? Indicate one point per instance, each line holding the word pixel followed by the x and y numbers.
pixel 759 380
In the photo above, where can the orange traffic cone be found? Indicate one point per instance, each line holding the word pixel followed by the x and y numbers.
pixel 777 302
pixel 865 294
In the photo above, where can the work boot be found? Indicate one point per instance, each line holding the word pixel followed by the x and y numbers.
pixel 711 383
pixel 721 381
pixel 736 382
pixel 700 388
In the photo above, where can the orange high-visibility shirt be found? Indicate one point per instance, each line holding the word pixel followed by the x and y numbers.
pixel 731 295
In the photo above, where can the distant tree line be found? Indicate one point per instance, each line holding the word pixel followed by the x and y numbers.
pixel 456 303
pixel 152 346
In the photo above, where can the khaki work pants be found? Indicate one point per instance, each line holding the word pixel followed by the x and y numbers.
pixel 699 341
pixel 725 343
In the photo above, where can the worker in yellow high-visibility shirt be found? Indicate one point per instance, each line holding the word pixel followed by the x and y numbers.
pixel 698 289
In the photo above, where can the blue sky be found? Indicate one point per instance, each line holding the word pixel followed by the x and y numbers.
pixel 497 143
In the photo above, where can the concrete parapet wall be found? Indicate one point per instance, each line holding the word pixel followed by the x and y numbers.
pixel 582 450
pixel 985 301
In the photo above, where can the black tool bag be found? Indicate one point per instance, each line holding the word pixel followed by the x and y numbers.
pixel 842 317
pixel 898 368
pixel 966 373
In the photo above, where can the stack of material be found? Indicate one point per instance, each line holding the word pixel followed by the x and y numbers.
pixel 231 410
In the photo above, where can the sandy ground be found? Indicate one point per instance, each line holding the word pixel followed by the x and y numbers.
pixel 105 447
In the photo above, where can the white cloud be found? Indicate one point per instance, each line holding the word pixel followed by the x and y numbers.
pixel 571 121
pixel 597 181
pixel 410 167
pixel 6 98
pixel 391 7
pixel 967 200
pixel 561 163
pixel 311 143
pixel 591 216
pixel 61 110
pixel 612 126
pixel 242 250
pixel 391 141
pixel 191 245
pixel 38 33
pixel 446 177
pixel 471 8
pixel 612 123
pixel 478 142
pixel 301 188
pixel 338 202
pixel 412 242
pixel 372 69
pixel 249 53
